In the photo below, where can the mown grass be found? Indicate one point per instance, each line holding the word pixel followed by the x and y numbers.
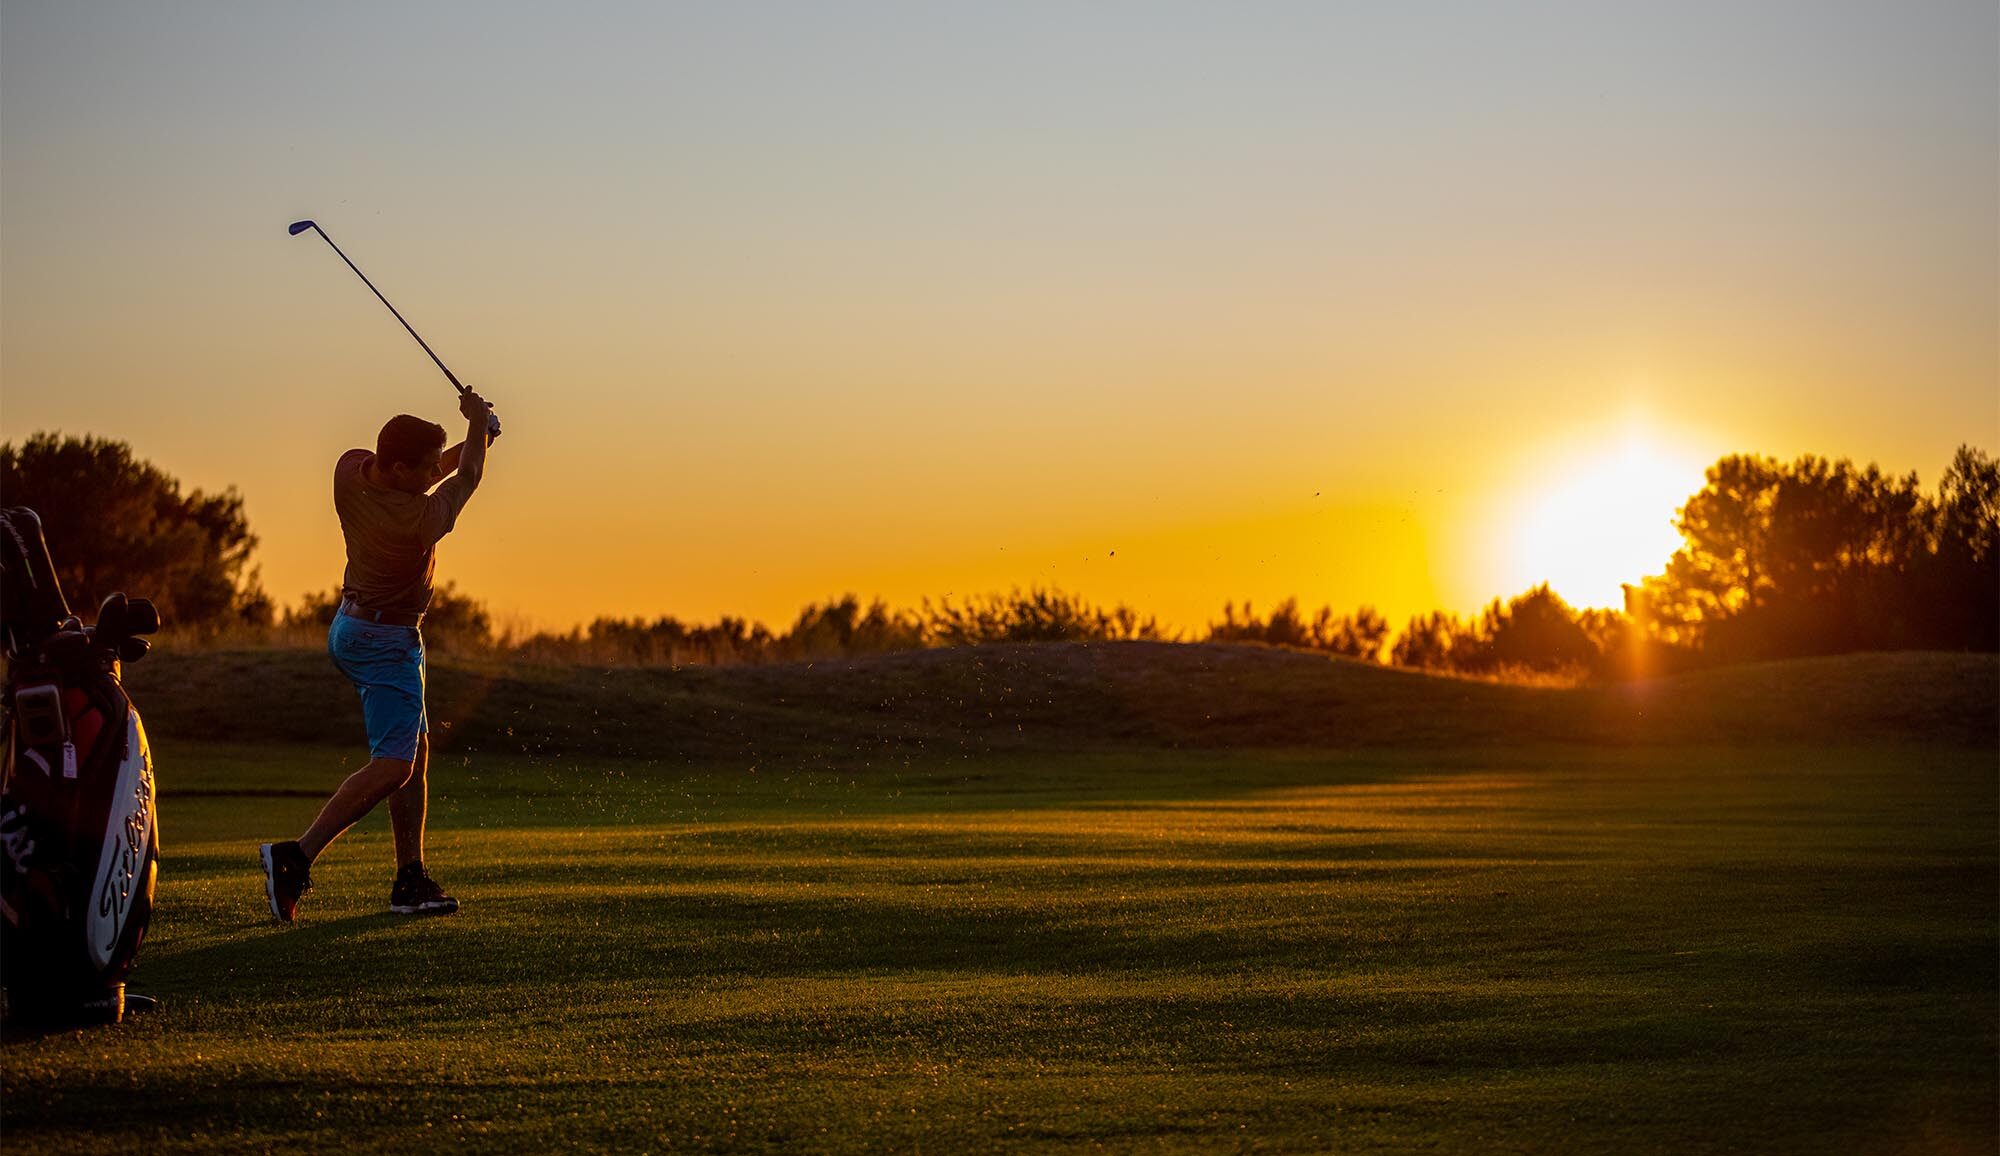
pixel 1689 949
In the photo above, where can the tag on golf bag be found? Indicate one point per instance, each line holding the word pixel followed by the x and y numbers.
pixel 79 833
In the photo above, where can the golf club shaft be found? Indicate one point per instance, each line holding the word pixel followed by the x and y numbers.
pixel 392 309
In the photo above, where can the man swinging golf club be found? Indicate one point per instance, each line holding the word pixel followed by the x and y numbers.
pixel 392 521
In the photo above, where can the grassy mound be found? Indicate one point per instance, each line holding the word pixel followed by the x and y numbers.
pixel 1067 696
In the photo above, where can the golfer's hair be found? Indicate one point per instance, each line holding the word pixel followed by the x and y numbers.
pixel 408 440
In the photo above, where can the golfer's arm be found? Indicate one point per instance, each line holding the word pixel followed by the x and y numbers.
pixel 451 459
pixel 471 453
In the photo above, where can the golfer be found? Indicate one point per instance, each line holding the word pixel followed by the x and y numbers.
pixel 392 521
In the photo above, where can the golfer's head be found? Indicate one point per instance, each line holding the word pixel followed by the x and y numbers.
pixel 408 452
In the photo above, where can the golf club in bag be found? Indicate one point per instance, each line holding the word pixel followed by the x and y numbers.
pixel 79 835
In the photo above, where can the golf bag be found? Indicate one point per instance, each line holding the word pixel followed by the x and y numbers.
pixel 79 838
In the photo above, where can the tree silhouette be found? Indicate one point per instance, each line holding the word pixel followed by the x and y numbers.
pixel 1033 615
pixel 841 627
pixel 1357 635
pixel 1823 556
pixel 453 621
pixel 1968 507
pixel 115 522
pixel 1436 641
pixel 1536 630
pixel 1957 583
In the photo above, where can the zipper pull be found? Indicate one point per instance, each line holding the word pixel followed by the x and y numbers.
pixel 69 760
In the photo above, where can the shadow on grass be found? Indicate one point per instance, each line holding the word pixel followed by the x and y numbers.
pixel 1619 961
pixel 695 935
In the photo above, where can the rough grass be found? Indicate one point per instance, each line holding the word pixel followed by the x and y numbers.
pixel 941 704
pixel 1520 949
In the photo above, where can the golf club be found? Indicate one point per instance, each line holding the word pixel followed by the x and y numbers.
pixel 297 227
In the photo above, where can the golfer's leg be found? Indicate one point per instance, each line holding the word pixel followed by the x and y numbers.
pixel 385 664
pixel 407 806
pixel 356 797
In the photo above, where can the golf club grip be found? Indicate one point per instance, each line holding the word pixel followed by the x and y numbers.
pixel 449 375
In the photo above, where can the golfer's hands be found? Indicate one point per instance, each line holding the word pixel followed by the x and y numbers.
pixel 472 406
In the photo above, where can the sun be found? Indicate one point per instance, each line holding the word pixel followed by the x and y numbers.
pixel 1603 520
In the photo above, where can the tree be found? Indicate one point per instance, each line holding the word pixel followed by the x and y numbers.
pixel 1723 567
pixel 457 621
pixel 1957 584
pixel 454 621
pixel 1033 615
pixel 315 608
pixel 115 522
pixel 1533 631
pixel 841 627
pixel 1536 630
pixel 1967 525
pixel 1358 635
pixel 1284 628
pixel 1436 641
pixel 1823 556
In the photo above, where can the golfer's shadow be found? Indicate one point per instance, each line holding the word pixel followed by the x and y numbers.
pixel 316 930
pixel 300 926
pixel 254 941
pixel 276 963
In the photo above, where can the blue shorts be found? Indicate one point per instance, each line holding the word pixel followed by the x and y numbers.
pixel 386 665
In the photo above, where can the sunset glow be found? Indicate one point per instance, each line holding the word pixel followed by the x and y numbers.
pixel 1601 521
pixel 777 308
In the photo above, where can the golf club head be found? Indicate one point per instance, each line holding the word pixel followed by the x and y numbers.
pixel 297 227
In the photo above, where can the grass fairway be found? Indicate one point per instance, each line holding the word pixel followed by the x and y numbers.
pixel 1566 948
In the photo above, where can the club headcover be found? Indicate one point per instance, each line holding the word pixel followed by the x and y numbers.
pixel 141 616
pixel 111 620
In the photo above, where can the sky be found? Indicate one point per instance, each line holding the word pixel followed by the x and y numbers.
pixel 1406 304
